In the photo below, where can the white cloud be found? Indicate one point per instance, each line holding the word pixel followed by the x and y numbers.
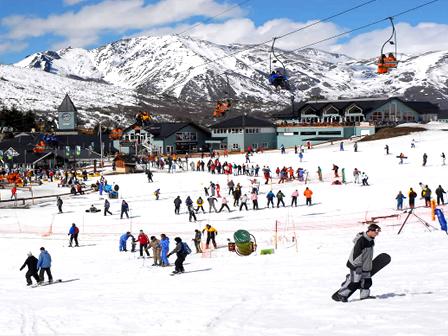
pixel 85 27
pixel 244 31
pixel 9 47
pixel 72 2
pixel 410 40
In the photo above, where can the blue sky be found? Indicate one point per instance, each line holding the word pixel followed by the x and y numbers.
pixel 30 26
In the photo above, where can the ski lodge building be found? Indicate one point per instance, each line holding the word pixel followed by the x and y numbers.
pixel 321 121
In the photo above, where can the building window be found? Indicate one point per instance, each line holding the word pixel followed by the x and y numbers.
pixel 331 110
pixel 309 110
pixel 377 116
pixel 408 116
pixel 222 146
pixel 252 130
pixel 235 146
pixel 186 136
pixel 354 109
pixel 265 145
pixel 255 145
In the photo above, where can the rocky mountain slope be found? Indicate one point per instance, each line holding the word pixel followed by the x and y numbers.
pixel 180 77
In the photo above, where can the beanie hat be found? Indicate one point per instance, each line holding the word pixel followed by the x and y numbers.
pixel 374 227
pixel 177 239
pixel 29 254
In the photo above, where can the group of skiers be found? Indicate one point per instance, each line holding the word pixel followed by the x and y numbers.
pixel 426 194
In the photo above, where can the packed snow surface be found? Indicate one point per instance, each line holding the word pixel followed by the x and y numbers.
pixel 287 293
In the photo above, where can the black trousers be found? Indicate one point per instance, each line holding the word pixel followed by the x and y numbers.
pixel 224 206
pixel 75 237
pixel 212 238
pixel 200 207
pixel 143 247
pixel 124 212
pixel 179 263
pixel 60 208
pixel 30 274
pixel 308 201
pixel 294 200
pixel 255 204
pixel 243 205
pixel 106 210
pixel 176 209
pixel 280 200
pixel 192 215
pixel 42 271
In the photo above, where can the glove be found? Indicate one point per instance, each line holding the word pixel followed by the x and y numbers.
pixel 358 270
pixel 68 234
pixel 168 255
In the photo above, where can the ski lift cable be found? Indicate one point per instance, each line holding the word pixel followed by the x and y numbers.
pixel 261 43
pixel 349 31
pixel 329 38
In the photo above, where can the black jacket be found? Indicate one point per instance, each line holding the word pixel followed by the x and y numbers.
pixel 31 262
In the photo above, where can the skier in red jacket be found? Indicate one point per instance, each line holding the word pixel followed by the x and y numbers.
pixel 143 240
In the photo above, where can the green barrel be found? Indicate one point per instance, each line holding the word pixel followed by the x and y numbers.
pixel 244 249
pixel 241 237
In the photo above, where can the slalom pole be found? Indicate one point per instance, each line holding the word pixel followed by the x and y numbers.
pixel 275 234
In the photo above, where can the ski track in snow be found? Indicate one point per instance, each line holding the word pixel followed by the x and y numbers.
pixel 288 292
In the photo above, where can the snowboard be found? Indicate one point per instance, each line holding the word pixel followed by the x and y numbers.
pixel 46 283
pixel 404 157
pixel 380 261
pixel 200 270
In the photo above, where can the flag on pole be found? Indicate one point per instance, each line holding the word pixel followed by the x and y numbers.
pixel 1 155
pixel 78 150
pixel 67 150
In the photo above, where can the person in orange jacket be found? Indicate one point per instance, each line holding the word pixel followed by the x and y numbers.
pixel 382 68
pixel 391 60
pixel 308 194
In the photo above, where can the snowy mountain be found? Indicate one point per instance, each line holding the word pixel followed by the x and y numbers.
pixel 176 70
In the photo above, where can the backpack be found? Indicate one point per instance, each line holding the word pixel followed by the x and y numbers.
pixel 76 230
pixel 186 249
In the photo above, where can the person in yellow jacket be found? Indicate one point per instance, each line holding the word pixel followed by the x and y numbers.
pixel 211 233
pixel 200 203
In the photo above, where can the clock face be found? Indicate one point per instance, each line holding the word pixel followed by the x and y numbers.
pixel 66 116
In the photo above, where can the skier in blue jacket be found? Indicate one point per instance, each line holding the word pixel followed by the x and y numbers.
pixel 270 196
pixel 165 247
pixel 123 239
pixel 44 265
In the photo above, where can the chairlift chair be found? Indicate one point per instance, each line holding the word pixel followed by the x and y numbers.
pixel 387 63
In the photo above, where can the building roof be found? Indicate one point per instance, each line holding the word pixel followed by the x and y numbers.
pixel 243 121
pixel 367 105
pixel 164 130
pixel 67 105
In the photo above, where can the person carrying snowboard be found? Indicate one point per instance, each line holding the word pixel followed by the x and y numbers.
pixel 31 262
pixel 73 233
pixel 360 265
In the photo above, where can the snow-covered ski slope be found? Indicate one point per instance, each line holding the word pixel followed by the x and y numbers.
pixel 288 293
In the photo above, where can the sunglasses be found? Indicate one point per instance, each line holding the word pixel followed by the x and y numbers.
pixel 376 230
